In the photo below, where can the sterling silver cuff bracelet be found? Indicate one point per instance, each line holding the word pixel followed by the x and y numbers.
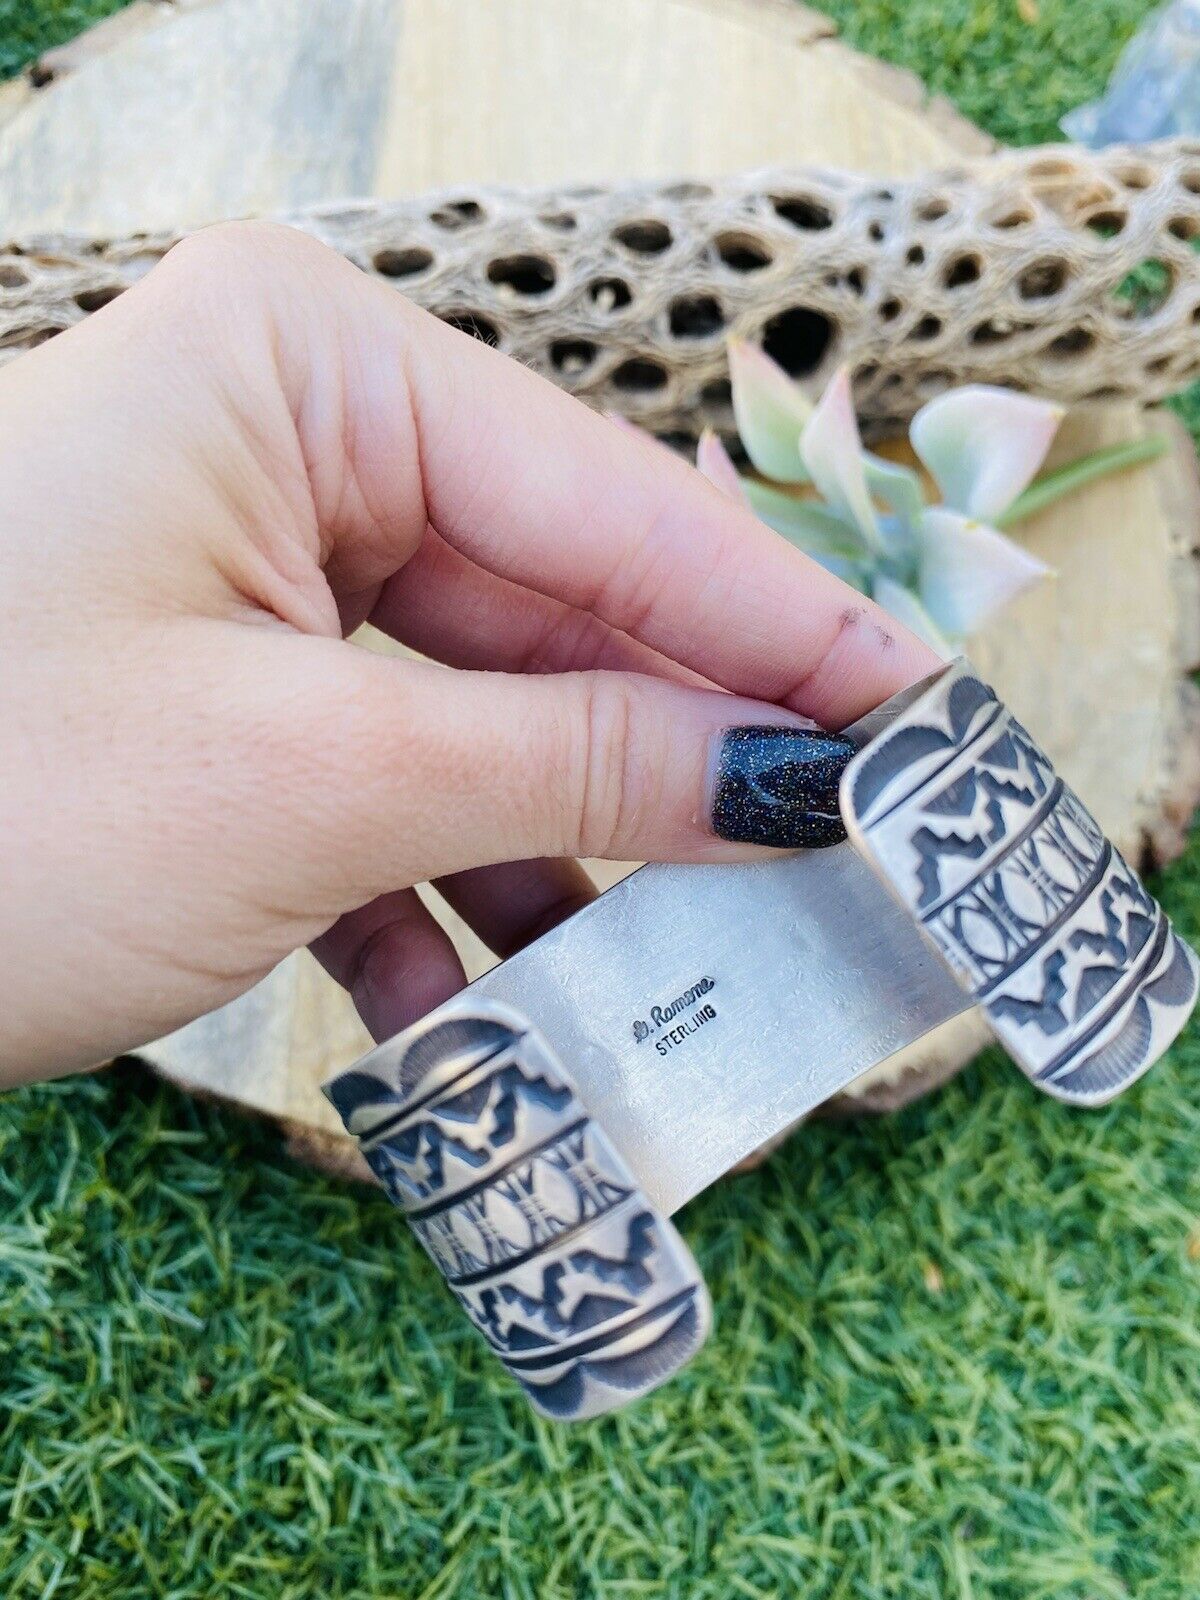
pixel 700 1010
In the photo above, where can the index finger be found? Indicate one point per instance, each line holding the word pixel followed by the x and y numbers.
pixel 532 485
pixel 401 418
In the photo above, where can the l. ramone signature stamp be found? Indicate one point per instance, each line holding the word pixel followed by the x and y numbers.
pixel 671 1024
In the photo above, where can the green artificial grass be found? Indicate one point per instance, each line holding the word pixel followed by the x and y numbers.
pixel 27 27
pixel 957 1351
pixel 1014 77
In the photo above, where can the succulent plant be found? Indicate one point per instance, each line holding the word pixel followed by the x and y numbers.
pixel 941 568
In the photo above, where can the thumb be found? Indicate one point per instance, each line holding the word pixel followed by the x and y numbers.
pixel 435 771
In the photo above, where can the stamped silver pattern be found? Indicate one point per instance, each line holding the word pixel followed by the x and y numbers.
pixel 585 1292
pixel 1074 963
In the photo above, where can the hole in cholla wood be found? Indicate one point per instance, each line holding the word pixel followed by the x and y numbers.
pixel 570 357
pixel 696 316
pixel 803 211
pixel 717 392
pixel 1075 342
pixel 1146 290
pixel 1042 279
pixel 457 214
pixel 799 339
pixel 645 237
pixel 640 375
pixel 926 328
pixel 523 276
pixel 402 263
pixel 742 252
pixel 93 299
pixel 1106 224
pixel 609 294
pixel 961 271
pixel 479 327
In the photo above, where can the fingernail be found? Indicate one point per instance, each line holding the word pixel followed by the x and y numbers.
pixel 779 786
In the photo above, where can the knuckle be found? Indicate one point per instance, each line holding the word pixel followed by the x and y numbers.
pixel 229 249
pixel 609 780
pixel 224 275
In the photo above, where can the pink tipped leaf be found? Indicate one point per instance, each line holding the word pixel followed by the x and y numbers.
pixel 833 454
pixel 713 460
pixel 966 570
pixel 770 412
pixel 983 445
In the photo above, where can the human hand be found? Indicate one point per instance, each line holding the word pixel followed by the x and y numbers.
pixel 208 484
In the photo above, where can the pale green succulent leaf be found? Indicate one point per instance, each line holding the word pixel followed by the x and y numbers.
pixel 833 454
pixel 852 573
pixel 966 570
pixel 810 526
pixel 983 445
pixel 898 486
pixel 903 604
pixel 770 412
pixel 899 557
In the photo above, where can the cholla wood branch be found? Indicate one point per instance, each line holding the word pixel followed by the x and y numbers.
pixel 1065 271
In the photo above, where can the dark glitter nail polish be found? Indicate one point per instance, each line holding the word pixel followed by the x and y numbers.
pixel 779 786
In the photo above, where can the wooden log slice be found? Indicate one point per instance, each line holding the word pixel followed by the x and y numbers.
pixel 173 115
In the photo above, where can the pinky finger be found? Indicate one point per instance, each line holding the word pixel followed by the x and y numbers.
pixel 395 960
pixel 511 904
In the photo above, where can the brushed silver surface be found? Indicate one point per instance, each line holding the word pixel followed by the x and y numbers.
pixel 776 984
pixel 816 975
